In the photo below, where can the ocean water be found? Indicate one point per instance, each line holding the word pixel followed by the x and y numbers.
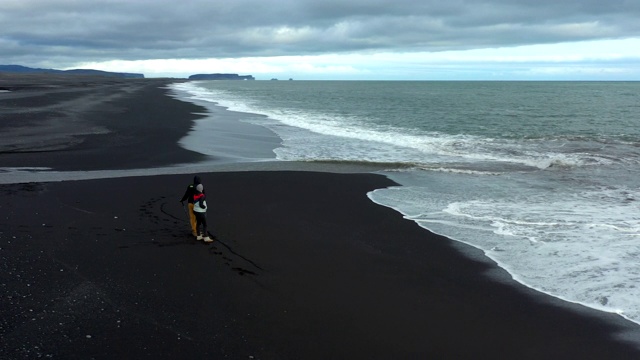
pixel 543 177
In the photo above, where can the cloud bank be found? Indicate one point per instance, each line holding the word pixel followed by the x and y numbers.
pixel 64 33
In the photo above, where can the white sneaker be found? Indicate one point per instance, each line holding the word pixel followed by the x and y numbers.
pixel 199 237
pixel 208 239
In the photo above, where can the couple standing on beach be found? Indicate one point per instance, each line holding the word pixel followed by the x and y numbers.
pixel 197 202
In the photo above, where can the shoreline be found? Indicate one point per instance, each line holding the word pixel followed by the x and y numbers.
pixel 305 266
pixel 476 253
pixel 226 134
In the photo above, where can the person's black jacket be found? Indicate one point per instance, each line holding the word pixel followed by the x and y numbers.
pixel 191 190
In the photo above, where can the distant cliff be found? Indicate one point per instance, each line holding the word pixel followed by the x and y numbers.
pixel 220 77
pixel 19 69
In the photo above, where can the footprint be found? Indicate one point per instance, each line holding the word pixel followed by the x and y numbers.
pixel 242 271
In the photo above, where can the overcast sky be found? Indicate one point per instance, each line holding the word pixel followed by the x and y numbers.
pixel 330 39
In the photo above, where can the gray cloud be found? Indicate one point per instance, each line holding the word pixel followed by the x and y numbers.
pixel 63 32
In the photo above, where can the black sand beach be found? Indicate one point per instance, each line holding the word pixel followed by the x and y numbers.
pixel 305 266
pixel 92 123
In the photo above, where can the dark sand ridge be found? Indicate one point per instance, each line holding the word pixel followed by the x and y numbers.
pixel 305 267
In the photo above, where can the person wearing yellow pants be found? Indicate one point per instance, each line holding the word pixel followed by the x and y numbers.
pixel 188 195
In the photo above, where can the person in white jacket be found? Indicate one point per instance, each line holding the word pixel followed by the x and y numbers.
pixel 200 210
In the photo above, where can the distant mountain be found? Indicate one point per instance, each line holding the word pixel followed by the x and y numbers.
pixel 220 77
pixel 27 70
